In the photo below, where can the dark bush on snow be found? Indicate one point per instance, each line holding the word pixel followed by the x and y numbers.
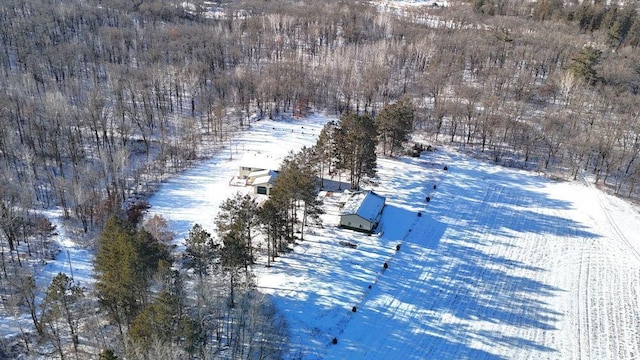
pixel 354 309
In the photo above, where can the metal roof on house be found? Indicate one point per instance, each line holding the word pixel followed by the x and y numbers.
pixel 365 204
pixel 264 177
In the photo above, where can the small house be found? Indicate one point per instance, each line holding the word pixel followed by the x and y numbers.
pixel 245 171
pixel 362 211
pixel 262 181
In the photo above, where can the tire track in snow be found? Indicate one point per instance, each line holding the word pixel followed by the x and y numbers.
pixel 606 292
pixel 614 225
pixel 584 310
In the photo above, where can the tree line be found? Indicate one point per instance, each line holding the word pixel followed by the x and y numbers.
pixel 101 99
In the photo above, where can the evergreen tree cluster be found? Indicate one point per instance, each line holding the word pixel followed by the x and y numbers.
pixel 351 145
pixel 621 25
pixel 161 313
pixel 127 262
pixel 293 201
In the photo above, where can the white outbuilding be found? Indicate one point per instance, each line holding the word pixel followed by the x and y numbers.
pixel 362 211
pixel 262 181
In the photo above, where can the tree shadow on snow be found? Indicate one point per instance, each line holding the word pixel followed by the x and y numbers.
pixel 446 294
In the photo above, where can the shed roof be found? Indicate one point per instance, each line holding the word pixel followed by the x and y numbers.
pixel 365 204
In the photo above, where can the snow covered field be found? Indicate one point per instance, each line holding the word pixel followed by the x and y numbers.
pixel 195 195
pixel 502 264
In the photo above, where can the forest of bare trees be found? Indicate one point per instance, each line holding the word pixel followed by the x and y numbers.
pixel 100 100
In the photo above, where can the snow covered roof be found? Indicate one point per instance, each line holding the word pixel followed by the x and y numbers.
pixel 259 173
pixel 365 204
pixel 264 177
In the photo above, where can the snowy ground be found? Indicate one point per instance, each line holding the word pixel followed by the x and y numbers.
pixel 502 264
pixel 195 195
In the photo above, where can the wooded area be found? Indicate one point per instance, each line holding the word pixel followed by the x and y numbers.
pixel 102 99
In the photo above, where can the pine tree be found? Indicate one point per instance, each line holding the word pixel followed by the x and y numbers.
pixel 116 266
pixel 158 321
pixel 273 218
pixel 356 142
pixel 614 36
pixel 394 123
pixel 233 258
pixel 238 214
pixel 297 186
pixel 200 250
pixel 153 256
pixel 324 150
pixel 125 263
pixel 235 222
pixel 583 65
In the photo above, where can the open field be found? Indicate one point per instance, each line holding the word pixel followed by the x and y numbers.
pixel 501 264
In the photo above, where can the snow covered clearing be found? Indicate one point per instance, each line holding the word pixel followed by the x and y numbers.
pixel 195 195
pixel 500 263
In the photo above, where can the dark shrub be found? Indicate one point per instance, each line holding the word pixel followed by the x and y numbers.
pixel 386 266
pixel 136 211
pixel 445 168
pixel 334 341
pixel 398 247
pixel 354 309
pixel 427 199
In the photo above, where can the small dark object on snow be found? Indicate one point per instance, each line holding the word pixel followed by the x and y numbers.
pixel 419 214
pixel 334 341
pixel 398 247
pixel 415 150
pixel 434 186
pixel 386 266
pixel 427 199
pixel 445 168
pixel 348 244
pixel 354 309
pixel 369 286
